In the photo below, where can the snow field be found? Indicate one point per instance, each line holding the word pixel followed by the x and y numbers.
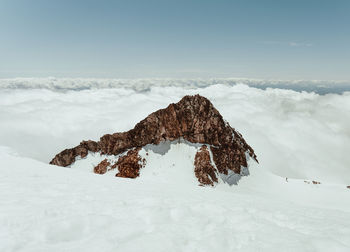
pixel 302 136
pixel 48 208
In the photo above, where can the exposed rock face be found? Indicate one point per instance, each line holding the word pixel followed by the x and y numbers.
pixel 68 156
pixel 101 168
pixel 203 168
pixel 194 119
pixel 129 165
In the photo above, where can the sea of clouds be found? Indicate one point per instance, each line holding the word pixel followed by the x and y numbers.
pixel 141 85
pixel 296 134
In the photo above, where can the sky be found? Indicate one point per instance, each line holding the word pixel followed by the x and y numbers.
pixel 267 39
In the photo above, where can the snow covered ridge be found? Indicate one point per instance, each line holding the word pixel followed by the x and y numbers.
pixel 143 85
pixel 214 149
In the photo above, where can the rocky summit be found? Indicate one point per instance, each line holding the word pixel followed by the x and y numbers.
pixel 221 150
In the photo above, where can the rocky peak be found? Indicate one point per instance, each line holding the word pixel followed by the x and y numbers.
pixel 194 119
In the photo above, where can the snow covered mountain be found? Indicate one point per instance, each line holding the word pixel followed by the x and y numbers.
pixel 299 138
pixel 218 149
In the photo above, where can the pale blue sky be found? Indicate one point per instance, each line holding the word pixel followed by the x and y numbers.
pixel 131 39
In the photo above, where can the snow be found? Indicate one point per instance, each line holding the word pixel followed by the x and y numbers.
pixel 299 135
pixel 168 161
pixel 48 208
pixel 176 166
pixel 88 163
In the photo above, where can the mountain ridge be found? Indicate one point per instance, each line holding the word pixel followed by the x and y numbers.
pixel 194 119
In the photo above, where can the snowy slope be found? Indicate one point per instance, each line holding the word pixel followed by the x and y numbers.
pixel 49 208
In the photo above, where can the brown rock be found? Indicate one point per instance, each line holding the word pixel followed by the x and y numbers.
pixel 348 187
pixel 316 182
pixel 193 118
pixel 101 168
pixel 67 157
pixel 203 169
pixel 130 164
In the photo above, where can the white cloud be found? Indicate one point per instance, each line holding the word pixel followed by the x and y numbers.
pixel 65 84
pixel 300 135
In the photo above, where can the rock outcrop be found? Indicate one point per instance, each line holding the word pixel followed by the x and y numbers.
pixel 193 119
pixel 101 168
pixel 129 165
pixel 203 167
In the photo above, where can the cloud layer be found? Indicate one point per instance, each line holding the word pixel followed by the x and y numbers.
pixel 298 135
pixel 65 84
